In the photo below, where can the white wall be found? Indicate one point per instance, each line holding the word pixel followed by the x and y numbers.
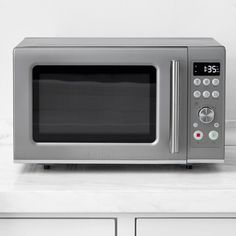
pixel 108 18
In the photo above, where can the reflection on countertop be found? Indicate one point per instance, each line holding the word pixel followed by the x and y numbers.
pixel 117 188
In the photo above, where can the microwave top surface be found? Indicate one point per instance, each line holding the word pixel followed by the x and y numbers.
pixel 117 42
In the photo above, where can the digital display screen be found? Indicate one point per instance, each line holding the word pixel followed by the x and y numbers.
pixel 206 68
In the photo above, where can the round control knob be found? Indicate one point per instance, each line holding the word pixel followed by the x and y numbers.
pixel 206 115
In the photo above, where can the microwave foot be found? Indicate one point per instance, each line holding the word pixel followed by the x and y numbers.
pixel 46 167
pixel 189 167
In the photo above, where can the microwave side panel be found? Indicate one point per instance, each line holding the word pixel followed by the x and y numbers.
pixel 21 104
pixel 206 104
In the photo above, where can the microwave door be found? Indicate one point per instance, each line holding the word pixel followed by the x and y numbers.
pixel 101 105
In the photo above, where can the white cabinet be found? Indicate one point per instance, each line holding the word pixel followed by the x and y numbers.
pixel 186 227
pixel 58 227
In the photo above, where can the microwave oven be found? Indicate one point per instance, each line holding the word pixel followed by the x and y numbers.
pixel 119 100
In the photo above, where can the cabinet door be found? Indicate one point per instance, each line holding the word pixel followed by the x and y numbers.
pixel 58 227
pixel 186 227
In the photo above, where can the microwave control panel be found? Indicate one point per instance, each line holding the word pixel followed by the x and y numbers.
pixel 206 94
pixel 206 98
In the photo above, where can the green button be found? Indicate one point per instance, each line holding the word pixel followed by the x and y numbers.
pixel 213 135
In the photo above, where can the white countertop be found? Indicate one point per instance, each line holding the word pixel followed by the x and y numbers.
pixel 208 188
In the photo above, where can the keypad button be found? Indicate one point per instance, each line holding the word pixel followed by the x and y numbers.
pixel 206 82
pixel 198 135
pixel 206 94
pixel 197 94
pixel 213 135
pixel 215 94
pixel 215 82
pixel 197 81
pixel 216 125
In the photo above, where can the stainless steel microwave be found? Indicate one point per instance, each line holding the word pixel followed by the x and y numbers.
pixel 119 100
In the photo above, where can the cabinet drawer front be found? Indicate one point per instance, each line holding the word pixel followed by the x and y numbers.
pixel 58 227
pixel 186 227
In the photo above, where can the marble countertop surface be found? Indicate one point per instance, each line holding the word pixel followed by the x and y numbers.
pixel 207 188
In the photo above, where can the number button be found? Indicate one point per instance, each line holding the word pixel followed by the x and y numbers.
pixel 215 94
pixel 206 82
pixel 206 94
pixel 197 94
pixel 197 81
pixel 215 82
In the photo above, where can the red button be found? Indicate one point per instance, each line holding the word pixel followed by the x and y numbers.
pixel 198 135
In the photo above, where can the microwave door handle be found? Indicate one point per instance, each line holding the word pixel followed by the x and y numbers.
pixel 174 107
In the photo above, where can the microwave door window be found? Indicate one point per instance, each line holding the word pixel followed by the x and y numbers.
pixel 94 104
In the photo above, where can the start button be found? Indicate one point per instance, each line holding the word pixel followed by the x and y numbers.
pixel 213 135
pixel 198 135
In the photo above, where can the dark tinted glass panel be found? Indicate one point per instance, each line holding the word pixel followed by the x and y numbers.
pixel 206 68
pixel 94 104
